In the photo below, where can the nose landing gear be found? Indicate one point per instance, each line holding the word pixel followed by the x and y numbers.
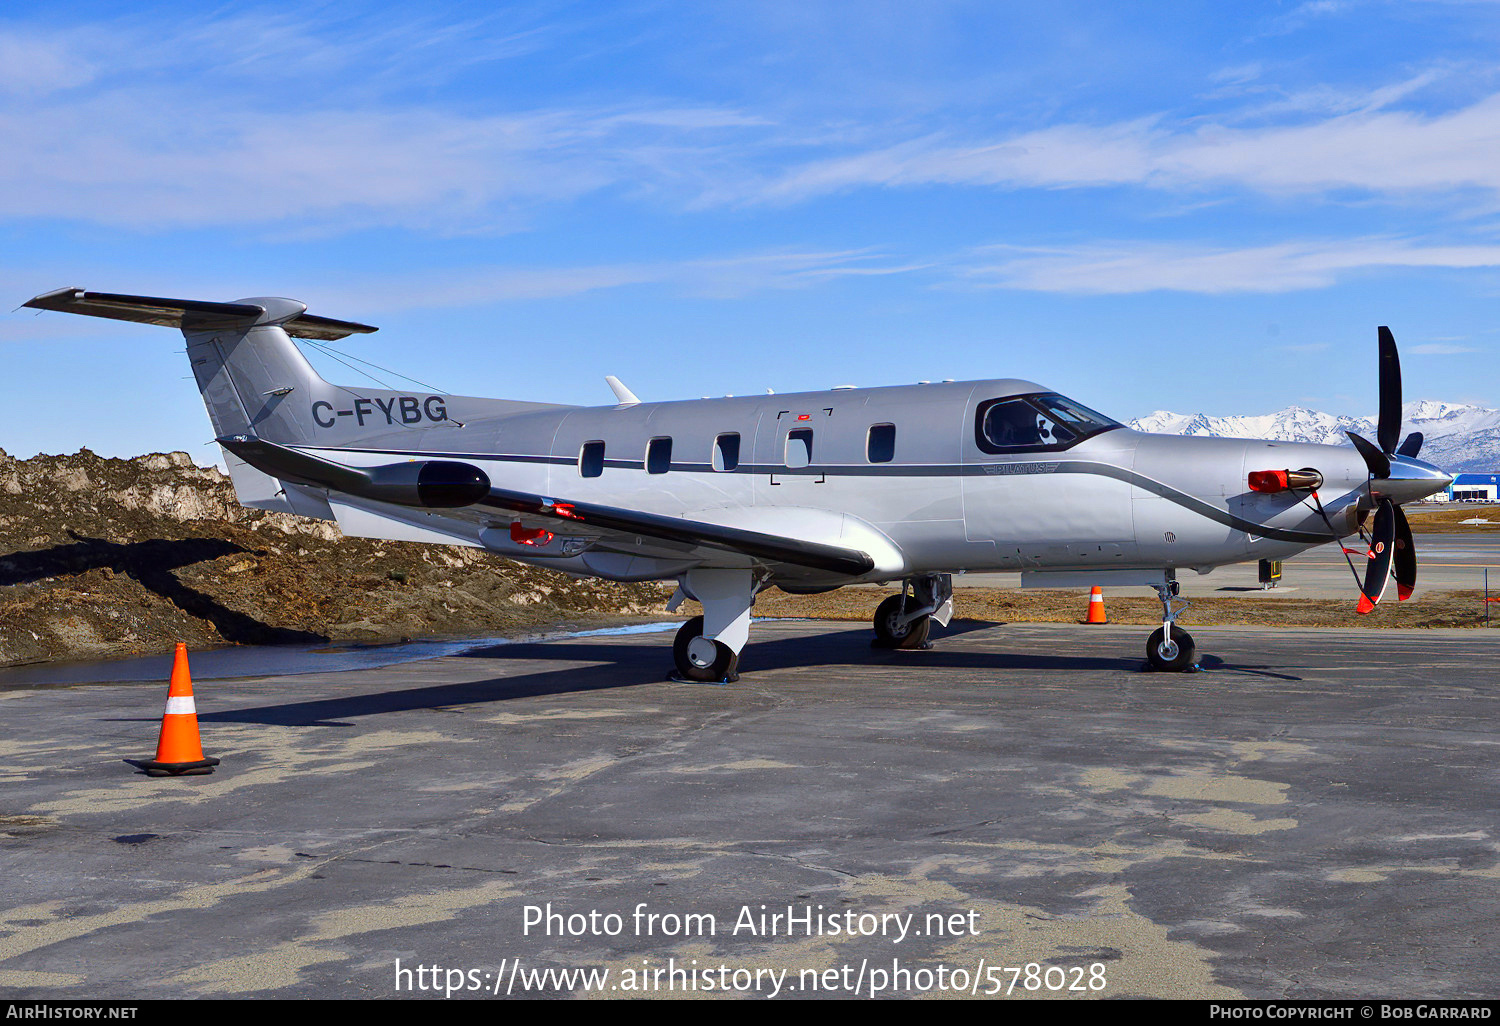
pixel 1170 648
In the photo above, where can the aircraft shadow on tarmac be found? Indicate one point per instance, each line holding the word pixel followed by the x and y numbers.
pixel 151 565
pixel 609 666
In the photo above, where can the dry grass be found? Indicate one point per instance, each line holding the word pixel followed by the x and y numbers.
pixel 1446 520
pixel 1433 609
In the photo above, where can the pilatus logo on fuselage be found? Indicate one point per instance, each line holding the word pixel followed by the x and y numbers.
pixel 401 409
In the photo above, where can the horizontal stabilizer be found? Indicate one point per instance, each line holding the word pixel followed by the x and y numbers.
pixel 193 314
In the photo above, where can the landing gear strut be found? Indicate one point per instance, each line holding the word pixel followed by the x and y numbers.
pixel 1170 648
pixel 905 620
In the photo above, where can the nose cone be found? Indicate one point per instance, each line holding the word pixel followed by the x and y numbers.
pixel 1410 480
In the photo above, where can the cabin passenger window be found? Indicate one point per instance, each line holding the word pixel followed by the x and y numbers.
pixel 591 459
pixel 659 456
pixel 799 447
pixel 726 452
pixel 880 447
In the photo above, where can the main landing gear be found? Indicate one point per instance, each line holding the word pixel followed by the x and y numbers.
pixel 905 620
pixel 703 659
pixel 1171 648
pixel 707 648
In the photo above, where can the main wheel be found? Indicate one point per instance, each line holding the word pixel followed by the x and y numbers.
pixel 700 658
pixel 889 635
pixel 1174 655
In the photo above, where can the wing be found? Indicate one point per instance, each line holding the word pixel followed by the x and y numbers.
pixel 635 523
pixel 401 484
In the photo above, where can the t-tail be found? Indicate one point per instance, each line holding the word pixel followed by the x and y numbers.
pixel 257 385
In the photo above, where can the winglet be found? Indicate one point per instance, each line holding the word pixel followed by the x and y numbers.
pixel 625 395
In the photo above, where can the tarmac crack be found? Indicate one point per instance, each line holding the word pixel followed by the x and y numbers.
pixel 800 862
pixel 418 865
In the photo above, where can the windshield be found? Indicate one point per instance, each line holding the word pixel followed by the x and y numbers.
pixel 1035 422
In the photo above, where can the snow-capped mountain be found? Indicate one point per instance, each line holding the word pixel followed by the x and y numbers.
pixel 1459 437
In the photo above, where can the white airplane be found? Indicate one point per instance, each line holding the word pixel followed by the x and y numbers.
pixel 808 492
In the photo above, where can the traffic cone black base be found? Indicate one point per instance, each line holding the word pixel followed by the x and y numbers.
pixel 153 768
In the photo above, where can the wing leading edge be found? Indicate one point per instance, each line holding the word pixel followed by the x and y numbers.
pixel 594 518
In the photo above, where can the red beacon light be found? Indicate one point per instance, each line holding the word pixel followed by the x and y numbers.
pixel 1271 481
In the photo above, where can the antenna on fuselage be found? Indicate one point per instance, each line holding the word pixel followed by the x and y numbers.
pixel 625 396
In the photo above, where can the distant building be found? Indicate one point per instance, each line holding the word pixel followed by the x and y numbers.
pixel 1474 488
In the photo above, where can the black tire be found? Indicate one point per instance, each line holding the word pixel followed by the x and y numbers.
pixel 888 635
pixel 723 666
pixel 1186 653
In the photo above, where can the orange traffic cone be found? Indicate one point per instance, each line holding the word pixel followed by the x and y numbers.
pixel 178 751
pixel 1096 606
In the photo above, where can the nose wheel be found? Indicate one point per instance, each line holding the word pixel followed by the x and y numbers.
pixel 703 659
pixel 1170 648
pixel 1173 653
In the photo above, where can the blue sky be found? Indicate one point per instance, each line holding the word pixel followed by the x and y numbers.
pixel 1189 206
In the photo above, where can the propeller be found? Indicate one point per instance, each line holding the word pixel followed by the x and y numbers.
pixel 1390 536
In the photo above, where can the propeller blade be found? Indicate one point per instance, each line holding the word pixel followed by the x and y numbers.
pixel 1411 446
pixel 1405 558
pixel 1388 428
pixel 1378 462
pixel 1382 548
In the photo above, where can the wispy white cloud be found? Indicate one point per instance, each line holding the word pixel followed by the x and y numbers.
pixel 1369 147
pixel 1438 349
pixel 1120 268
pixel 313 123
pixel 144 159
pixel 32 64
pixel 252 120
pixel 723 277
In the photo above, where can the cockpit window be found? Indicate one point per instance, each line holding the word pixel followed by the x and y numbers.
pixel 1036 423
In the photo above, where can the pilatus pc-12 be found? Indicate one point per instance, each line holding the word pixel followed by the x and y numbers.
pixel 809 491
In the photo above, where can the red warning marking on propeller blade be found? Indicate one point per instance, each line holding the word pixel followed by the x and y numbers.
pixel 1365 605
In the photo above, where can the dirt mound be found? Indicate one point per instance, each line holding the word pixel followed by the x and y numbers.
pixel 110 557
